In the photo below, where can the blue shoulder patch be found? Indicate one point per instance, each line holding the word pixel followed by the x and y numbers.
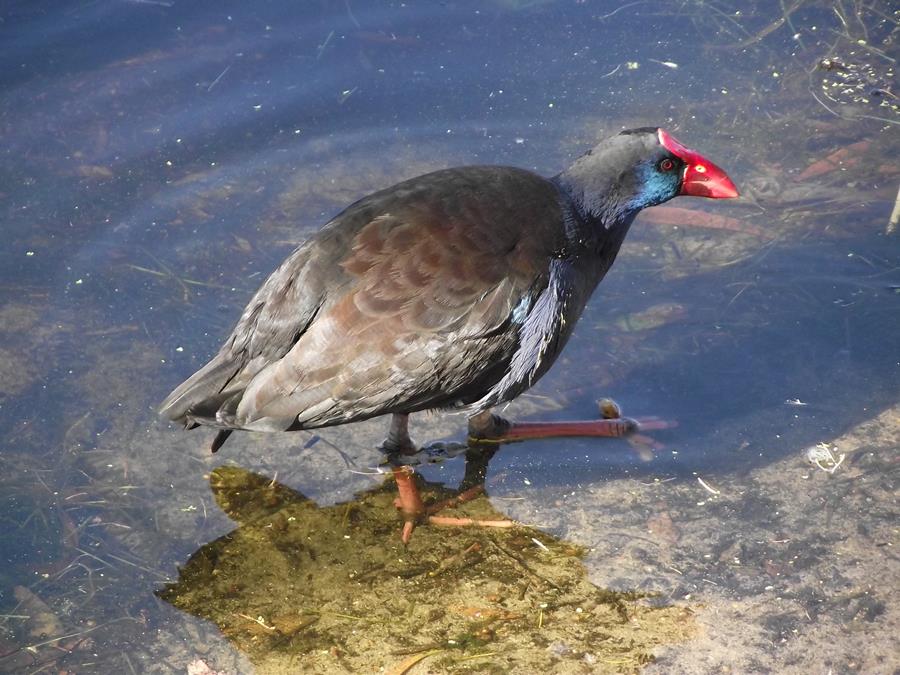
pixel 539 332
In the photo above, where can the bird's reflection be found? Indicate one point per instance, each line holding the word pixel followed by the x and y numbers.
pixel 335 585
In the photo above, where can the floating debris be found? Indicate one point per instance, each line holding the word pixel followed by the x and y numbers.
pixel 612 72
pixel 895 215
pixel 824 456
pixel 658 315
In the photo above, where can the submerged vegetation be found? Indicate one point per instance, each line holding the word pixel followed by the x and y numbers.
pixel 334 586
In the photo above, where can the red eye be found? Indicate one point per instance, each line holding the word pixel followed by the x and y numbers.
pixel 666 165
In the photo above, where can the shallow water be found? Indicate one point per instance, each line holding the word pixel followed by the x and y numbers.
pixel 159 158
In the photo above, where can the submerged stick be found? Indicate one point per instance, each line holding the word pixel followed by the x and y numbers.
pixel 406 665
pixel 771 28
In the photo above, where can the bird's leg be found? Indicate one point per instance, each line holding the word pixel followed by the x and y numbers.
pixel 398 440
pixel 409 501
pixel 485 427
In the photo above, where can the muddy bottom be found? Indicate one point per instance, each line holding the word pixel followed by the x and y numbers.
pixel 334 590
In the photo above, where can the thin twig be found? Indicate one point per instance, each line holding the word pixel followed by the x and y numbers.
pixel 707 487
pixel 350 14
pixel 221 75
pixel 771 28
pixel 619 9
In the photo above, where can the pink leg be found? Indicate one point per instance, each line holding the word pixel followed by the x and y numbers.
pixel 520 431
pixel 409 501
pixel 486 427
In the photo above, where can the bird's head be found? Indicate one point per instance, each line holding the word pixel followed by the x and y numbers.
pixel 638 168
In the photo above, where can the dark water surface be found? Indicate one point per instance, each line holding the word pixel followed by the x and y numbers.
pixel 159 158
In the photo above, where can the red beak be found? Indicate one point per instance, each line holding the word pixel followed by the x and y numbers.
pixel 701 177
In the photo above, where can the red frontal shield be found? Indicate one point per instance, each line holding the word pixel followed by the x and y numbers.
pixel 701 177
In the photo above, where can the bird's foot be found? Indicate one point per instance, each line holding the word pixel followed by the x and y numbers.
pixel 462 498
pixel 444 449
pixel 486 427
pixel 414 511
pixel 392 449
pixel 430 453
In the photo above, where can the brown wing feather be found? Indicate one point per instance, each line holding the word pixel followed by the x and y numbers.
pixel 399 304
